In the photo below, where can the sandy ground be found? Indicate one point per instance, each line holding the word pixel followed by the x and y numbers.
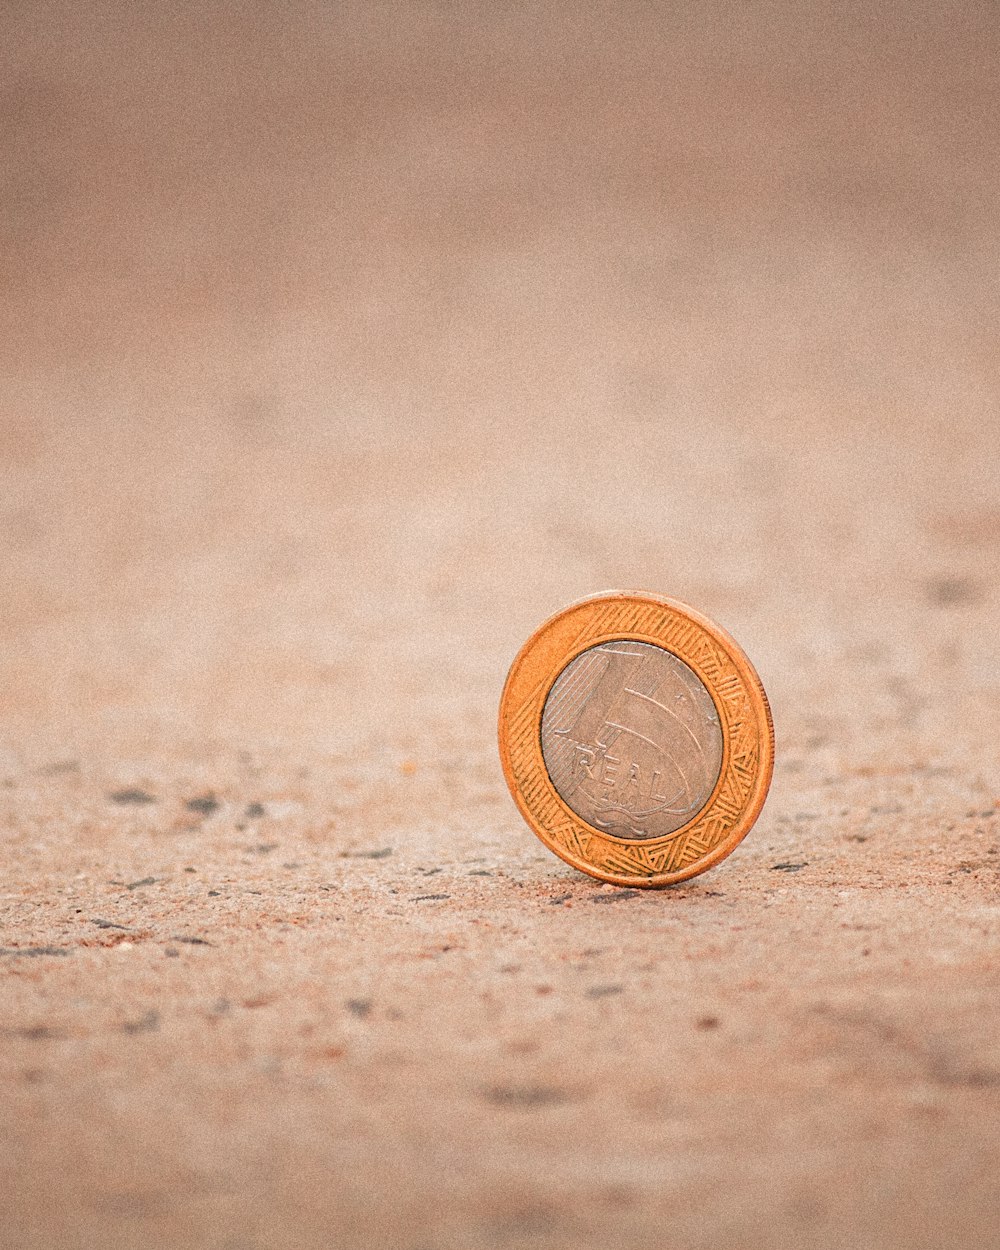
pixel 341 344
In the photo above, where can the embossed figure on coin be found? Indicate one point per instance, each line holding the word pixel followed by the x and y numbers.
pixel 631 739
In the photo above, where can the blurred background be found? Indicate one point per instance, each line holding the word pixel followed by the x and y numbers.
pixel 341 343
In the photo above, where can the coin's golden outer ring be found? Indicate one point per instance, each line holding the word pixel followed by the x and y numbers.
pixel 744 714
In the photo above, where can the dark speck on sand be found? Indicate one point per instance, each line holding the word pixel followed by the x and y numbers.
pixel 526 1096
pixel 205 805
pixel 132 795
pixel 31 952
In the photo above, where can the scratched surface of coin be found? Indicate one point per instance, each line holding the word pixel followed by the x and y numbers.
pixel 631 739
pixel 636 738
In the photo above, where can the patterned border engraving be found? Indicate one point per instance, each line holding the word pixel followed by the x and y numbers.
pixel 743 777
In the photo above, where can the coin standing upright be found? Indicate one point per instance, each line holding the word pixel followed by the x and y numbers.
pixel 636 738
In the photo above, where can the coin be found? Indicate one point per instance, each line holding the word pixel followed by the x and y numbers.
pixel 636 738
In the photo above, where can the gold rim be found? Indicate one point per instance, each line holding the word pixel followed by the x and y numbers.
pixel 744 714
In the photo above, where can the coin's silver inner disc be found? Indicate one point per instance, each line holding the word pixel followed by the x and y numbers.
pixel 631 739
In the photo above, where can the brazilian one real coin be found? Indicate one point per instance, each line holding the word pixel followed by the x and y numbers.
pixel 636 738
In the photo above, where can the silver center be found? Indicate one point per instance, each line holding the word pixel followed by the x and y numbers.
pixel 631 739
